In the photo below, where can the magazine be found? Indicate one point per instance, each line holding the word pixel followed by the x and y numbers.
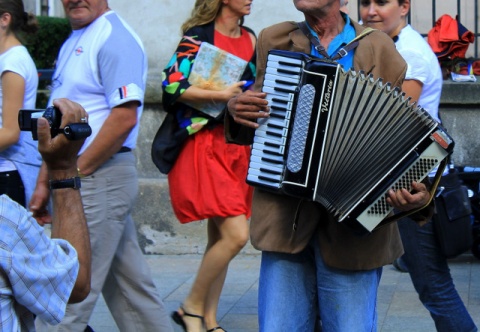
pixel 214 69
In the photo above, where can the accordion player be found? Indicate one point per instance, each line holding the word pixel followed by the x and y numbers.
pixel 342 139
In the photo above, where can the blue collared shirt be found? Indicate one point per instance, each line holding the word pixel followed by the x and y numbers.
pixel 37 273
pixel 342 39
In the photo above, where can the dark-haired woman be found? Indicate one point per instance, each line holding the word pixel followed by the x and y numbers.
pixel 19 158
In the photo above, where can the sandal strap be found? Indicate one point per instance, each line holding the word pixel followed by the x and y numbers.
pixel 186 313
pixel 216 328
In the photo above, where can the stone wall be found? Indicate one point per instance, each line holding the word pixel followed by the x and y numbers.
pixel 460 113
pixel 158 22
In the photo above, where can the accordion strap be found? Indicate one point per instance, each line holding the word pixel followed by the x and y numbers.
pixel 433 189
pixel 341 52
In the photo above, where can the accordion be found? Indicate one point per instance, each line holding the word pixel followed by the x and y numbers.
pixel 341 138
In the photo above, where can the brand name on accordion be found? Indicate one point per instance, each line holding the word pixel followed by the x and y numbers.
pixel 326 100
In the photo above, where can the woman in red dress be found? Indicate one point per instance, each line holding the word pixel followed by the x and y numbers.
pixel 207 181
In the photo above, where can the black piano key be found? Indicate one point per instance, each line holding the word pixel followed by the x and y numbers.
pixel 272 133
pixel 272 153
pixel 288 72
pixel 280 101
pixel 270 171
pixel 278 116
pixel 283 90
pixel 273 145
pixel 278 108
pixel 263 178
pixel 290 64
pixel 273 161
pixel 285 82
pixel 273 125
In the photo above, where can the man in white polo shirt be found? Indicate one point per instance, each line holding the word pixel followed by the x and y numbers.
pixel 103 66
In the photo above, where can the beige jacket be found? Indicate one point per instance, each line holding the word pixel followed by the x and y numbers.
pixel 286 224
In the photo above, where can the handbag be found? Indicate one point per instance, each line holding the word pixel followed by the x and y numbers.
pixel 452 221
pixel 168 143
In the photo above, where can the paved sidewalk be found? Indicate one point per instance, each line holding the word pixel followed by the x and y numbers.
pixel 399 309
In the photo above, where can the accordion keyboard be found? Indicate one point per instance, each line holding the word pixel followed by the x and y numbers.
pixel 340 138
pixel 267 163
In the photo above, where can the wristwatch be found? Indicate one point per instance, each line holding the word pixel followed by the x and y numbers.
pixel 73 183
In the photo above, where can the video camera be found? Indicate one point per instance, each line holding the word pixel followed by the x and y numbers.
pixel 27 120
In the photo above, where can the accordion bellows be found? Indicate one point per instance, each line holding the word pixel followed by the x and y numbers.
pixel 341 138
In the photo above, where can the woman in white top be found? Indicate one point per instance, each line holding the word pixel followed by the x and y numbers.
pixel 423 258
pixel 19 158
pixel 423 80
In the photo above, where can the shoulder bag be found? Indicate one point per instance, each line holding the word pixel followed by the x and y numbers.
pixel 452 220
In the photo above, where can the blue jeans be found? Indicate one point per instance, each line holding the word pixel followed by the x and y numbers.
pixel 431 278
pixel 293 288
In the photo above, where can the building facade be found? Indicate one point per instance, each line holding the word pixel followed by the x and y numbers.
pixel 158 22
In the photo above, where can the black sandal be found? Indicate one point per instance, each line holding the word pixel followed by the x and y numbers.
pixel 217 328
pixel 177 318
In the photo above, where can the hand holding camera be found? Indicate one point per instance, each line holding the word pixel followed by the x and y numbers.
pixel 27 120
pixel 60 153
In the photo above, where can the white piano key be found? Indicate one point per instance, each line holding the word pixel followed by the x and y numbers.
pixel 280 108
pixel 273 130
pixel 274 177
pixel 266 167
pixel 279 114
pixel 275 149
pixel 275 85
pixel 262 139
pixel 279 58
pixel 284 66
pixel 262 122
pixel 277 122
pixel 282 99
pixel 268 156
pixel 271 77
pixel 255 179
pixel 279 71
pixel 261 161
pixel 270 90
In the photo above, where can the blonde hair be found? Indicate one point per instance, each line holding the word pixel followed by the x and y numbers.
pixel 204 11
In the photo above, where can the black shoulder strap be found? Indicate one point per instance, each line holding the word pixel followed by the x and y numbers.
pixel 341 52
pixel 306 31
pixel 352 44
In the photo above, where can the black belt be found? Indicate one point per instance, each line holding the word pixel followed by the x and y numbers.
pixel 124 149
